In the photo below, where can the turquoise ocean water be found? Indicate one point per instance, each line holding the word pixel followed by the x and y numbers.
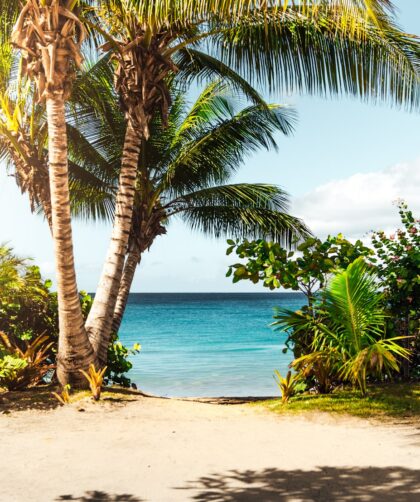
pixel 206 344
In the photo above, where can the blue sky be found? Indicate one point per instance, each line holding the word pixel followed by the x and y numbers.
pixel 343 167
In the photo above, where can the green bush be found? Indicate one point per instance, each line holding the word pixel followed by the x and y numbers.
pixel 118 362
pixel 10 369
pixel 398 265
pixel 348 329
pixel 25 364
pixel 28 307
pixel 28 310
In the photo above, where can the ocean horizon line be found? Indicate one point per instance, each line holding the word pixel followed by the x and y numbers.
pixel 213 293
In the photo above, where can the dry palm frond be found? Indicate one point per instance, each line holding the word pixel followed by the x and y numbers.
pixel 50 36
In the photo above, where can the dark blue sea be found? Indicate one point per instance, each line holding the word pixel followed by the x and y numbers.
pixel 206 344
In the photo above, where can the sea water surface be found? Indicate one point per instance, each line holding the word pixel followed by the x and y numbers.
pixel 206 344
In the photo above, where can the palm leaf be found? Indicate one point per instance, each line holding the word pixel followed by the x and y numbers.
pixel 242 210
pixel 212 155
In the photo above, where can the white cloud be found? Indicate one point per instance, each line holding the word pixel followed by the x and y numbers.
pixel 361 202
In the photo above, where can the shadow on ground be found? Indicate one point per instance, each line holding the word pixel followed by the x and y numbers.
pixel 39 398
pixel 98 496
pixel 326 484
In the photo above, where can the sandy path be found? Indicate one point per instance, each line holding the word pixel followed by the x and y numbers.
pixel 164 450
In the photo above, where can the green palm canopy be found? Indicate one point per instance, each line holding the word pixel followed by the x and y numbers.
pixel 186 166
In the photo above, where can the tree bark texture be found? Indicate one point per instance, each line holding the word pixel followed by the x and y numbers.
pixel 74 349
pixel 130 267
pixel 99 322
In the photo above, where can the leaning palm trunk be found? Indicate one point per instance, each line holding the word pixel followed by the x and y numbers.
pixel 99 322
pixel 130 267
pixel 146 226
pixel 141 70
pixel 49 36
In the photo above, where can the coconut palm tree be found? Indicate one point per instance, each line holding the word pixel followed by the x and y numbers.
pixel 323 47
pixel 184 171
pixel 49 36
pixel 198 150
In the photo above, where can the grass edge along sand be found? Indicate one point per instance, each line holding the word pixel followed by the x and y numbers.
pixel 387 401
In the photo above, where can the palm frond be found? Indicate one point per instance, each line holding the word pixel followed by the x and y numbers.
pixel 189 12
pixel 353 303
pixel 240 210
pixel 91 198
pixel 215 153
pixel 324 51
pixel 196 65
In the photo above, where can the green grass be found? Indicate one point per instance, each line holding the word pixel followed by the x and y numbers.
pixel 384 401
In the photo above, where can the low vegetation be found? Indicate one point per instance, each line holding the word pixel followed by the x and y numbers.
pixel 387 401
pixel 29 328
pixel 361 322
pixel 95 378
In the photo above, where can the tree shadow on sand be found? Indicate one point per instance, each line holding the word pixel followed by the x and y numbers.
pixel 99 496
pixel 37 398
pixel 326 484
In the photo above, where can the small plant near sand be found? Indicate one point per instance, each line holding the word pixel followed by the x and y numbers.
pixel 23 363
pixel 288 386
pixel 95 378
pixel 64 396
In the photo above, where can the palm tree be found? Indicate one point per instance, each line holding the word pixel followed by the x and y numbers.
pixel 323 47
pixel 184 170
pixel 49 36
pixel 212 127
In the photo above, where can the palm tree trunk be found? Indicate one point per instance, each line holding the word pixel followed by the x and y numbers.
pixel 131 264
pixel 74 349
pixel 99 322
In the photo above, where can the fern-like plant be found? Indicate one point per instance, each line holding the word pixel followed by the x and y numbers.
pixel 288 385
pixel 64 396
pixel 95 378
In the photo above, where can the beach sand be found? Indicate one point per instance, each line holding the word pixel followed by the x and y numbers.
pixel 153 449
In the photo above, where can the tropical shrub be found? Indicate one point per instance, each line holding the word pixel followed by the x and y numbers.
pixel 64 396
pixel 95 378
pixel 305 269
pixel 398 265
pixel 10 369
pixel 118 362
pixel 350 341
pixel 28 307
pixel 24 363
